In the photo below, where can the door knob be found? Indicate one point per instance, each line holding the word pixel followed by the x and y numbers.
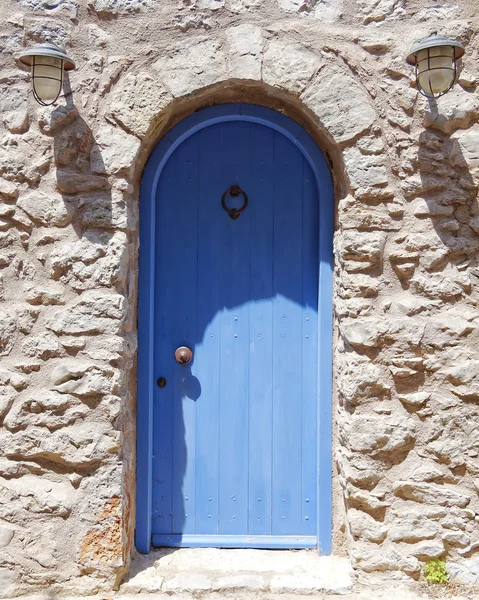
pixel 183 355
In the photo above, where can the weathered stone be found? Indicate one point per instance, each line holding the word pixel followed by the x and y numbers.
pixel 360 470
pixel 428 549
pixel 46 209
pixel 456 538
pixel 68 8
pixel 359 285
pixel 7 332
pixel 40 495
pixel 84 379
pixel 116 7
pixel 465 571
pixel 109 211
pixel 26 319
pixel 436 286
pixel 95 260
pixel 430 208
pixel 291 66
pixel 14 108
pixel 8 189
pixel 6 536
pixel 464 150
pixel 48 409
pixel 95 312
pixel 364 526
pixel 46 295
pixel 378 435
pixel 455 110
pixel 430 493
pixel 411 526
pixel 365 501
pixel 242 6
pixel 357 215
pixel 384 559
pixel 71 182
pixel 72 445
pixel 416 400
pixel 360 379
pixel 115 150
pixel 14 379
pixel 361 250
pixel 137 100
pixel 376 42
pixel 191 65
pixel 365 170
pixel 367 333
pixel 381 10
pixel 187 582
pixel 54 119
pixel 327 11
pixel 7 396
pixel 345 116
pixel 245 47
pixel 43 346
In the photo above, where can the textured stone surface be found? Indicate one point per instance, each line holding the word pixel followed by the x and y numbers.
pixel 344 115
pixel 406 383
pixel 137 100
pixel 291 66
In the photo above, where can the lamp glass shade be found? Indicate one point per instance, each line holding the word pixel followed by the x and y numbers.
pixel 435 68
pixel 47 77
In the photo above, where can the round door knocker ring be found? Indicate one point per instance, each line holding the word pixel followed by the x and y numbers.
pixel 234 191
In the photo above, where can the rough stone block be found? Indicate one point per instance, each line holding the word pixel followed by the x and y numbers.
pixel 193 64
pixel 291 66
pixel 136 100
pixel 245 47
pixel 344 115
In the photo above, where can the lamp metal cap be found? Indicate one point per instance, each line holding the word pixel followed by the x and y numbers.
pixel 433 41
pixel 46 49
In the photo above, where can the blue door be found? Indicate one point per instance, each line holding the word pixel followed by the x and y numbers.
pixel 235 281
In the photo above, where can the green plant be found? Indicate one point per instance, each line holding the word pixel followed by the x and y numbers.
pixel 435 571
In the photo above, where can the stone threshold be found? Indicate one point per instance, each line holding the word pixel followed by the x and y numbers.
pixel 205 570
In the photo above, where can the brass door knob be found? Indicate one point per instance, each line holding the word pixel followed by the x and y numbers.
pixel 183 355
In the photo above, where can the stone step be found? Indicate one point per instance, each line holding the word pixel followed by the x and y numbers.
pixel 202 570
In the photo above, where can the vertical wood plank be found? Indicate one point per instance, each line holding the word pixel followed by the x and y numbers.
pixel 234 365
pixel 163 398
pixel 184 260
pixel 207 354
pixel 261 335
pixel 309 374
pixel 287 321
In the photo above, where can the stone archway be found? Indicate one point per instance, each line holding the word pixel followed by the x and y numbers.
pixel 310 88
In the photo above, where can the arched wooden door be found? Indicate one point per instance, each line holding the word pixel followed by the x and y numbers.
pixel 231 269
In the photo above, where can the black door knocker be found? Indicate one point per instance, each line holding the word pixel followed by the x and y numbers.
pixel 234 191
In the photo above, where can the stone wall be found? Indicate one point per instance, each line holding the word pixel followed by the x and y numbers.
pixel 406 250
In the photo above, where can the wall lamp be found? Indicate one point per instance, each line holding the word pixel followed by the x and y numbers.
pixel 435 59
pixel 47 62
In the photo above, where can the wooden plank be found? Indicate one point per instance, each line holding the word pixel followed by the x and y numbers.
pixel 184 261
pixel 261 335
pixel 309 374
pixel 287 357
pixel 234 357
pixel 163 398
pixel 207 361
pixel 176 325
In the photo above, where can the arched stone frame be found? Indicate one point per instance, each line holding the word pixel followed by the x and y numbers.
pixel 335 123
pixel 249 113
